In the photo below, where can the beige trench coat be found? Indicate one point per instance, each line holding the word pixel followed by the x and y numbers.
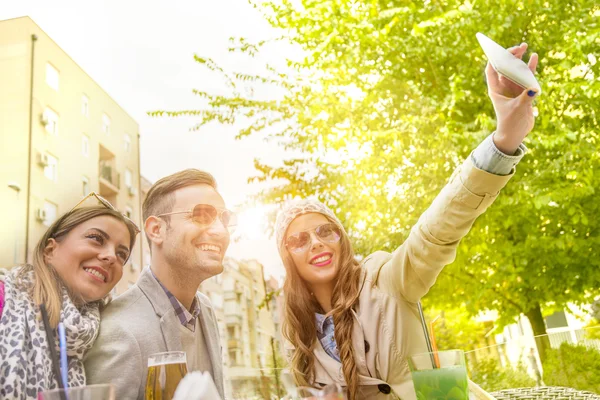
pixel 387 320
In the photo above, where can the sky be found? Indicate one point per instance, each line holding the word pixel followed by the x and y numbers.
pixel 141 54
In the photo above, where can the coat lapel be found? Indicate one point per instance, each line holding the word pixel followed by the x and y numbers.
pixel 169 323
pixel 325 367
pixel 358 341
pixel 325 364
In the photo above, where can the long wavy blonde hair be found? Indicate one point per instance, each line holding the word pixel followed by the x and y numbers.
pixel 299 317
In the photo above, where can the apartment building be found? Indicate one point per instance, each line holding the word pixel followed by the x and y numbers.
pixel 276 306
pixel 61 137
pixel 247 327
pixel 145 186
pixel 213 288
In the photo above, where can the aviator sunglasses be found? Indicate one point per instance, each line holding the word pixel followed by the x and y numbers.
pixel 106 204
pixel 205 215
pixel 299 242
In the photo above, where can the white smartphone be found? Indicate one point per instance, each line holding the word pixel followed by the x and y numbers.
pixel 508 65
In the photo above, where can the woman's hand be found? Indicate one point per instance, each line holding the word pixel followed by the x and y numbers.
pixel 513 105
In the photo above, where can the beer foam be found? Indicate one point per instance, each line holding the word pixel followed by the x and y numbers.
pixel 155 363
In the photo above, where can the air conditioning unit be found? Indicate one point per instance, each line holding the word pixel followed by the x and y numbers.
pixel 131 190
pixel 40 214
pixel 43 160
pixel 44 119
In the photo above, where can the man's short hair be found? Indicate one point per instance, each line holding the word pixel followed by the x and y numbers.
pixel 161 196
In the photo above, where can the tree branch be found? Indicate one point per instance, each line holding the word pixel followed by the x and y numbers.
pixel 515 304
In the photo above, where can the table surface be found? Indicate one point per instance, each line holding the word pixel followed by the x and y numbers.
pixel 544 393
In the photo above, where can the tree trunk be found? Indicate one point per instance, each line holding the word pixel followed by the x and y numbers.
pixel 539 328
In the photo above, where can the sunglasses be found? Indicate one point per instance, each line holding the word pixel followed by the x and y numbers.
pixel 205 215
pixel 106 204
pixel 300 242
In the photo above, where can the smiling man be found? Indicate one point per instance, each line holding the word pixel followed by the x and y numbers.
pixel 188 228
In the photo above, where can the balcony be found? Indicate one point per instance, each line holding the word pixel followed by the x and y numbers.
pixel 233 308
pixel 230 295
pixel 233 319
pixel 108 177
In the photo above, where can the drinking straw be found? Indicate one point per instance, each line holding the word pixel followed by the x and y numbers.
pixel 433 341
pixel 426 332
pixel 64 366
pixel 52 346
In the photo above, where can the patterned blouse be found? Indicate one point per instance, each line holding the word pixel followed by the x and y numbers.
pixel 1 297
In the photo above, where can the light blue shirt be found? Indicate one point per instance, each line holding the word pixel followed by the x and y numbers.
pixel 326 335
pixel 486 157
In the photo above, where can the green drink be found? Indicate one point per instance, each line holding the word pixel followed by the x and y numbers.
pixel 441 384
pixel 442 376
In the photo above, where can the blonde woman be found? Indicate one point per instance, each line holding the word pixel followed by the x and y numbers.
pixel 75 265
pixel 354 323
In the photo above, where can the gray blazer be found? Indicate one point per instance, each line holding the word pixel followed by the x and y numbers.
pixel 138 323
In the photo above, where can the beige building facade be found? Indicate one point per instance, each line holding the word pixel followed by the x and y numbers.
pixel 61 137
pixel 247 328
pixel 145 186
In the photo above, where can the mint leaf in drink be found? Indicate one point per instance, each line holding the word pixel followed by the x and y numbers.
pixel 457 394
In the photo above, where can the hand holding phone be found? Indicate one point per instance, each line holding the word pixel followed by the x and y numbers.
pixel 507 65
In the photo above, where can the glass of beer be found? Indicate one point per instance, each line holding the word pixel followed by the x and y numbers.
pixel 165 371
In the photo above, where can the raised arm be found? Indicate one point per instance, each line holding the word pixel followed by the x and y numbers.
pixel 413 268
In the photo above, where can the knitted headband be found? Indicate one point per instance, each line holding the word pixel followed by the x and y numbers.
pixel 296 208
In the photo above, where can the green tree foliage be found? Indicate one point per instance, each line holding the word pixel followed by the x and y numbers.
pixel 455 329
pixel 491 376
pixel 573 366
pixel 385 101
pixel 275 364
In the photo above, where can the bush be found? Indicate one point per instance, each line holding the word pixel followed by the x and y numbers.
pixel 491 376
pixel 573 366
pixel 592 330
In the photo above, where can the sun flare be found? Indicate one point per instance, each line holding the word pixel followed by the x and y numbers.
pixel 252 223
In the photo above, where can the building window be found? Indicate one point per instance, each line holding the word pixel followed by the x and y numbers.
pixel 127 143
pixel 557 320
pixel 85 106
pixel 50 121
pixel 129 212
pixel 51 211
pixel 85 145
pixel 105 124
pixel 217 300
pixel 51 168
pixel 52 77
pixel 128 178
pixel 85 185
